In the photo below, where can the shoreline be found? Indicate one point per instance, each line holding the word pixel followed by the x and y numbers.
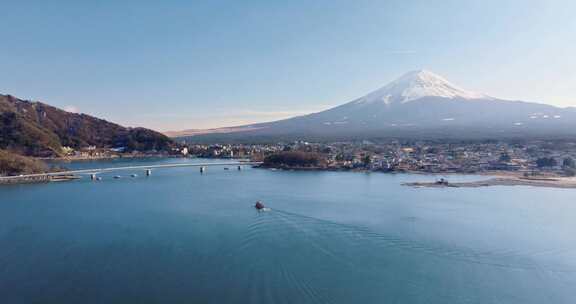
pixel 483 173
pixel 543 182
pixel 493 178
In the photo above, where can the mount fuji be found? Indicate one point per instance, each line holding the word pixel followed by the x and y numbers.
pixel 419 104
pixel 416 85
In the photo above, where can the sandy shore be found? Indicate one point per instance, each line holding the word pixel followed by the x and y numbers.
pixel 555 182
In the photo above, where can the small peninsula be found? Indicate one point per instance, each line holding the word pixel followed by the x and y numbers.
pixel 547 182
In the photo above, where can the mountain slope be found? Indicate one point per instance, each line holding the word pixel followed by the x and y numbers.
pixel 37 129
pixel 419 104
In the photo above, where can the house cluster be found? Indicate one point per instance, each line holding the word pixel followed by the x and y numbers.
pixel 255 152
pixel 93 152
pixel 87 152
pixel 432 157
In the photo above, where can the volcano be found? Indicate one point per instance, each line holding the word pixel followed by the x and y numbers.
pixel 419 104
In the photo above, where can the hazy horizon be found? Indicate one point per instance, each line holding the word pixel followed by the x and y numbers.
pixel 177 65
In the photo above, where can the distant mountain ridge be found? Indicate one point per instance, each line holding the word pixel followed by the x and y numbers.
pixel 37 129
pixel 419 104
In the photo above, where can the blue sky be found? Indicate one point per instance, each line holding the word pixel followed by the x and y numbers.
pixel 172 65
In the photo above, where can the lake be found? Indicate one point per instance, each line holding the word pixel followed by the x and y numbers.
pixel 179 236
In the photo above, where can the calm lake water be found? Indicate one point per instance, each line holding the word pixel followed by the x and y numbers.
pixel 330 237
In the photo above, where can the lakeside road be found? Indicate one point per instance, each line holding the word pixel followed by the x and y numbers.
pixel 557 182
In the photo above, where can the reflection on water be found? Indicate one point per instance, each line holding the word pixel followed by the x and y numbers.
pixel 182 237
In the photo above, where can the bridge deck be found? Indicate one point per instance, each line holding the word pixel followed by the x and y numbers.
pixel 111 169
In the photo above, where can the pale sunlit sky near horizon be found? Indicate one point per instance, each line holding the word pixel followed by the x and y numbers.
pixel 173 65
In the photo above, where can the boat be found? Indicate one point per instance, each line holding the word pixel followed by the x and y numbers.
pixel 259 205
pixel 134 175
pixel 117 176
pixel 63 178
pixel 442 181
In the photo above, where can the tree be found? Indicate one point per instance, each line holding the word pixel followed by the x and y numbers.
pixel 546 162
pixel 568 163
pixel 292 159
pixel 367 161
pixel 505 157
pixel 14 164
pixel 532 151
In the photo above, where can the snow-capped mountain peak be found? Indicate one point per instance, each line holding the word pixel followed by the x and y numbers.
pixel 415 85
pixel 419 105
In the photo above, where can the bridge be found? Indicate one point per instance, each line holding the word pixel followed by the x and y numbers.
pixel 41 177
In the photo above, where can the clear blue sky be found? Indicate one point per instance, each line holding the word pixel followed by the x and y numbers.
pixel 173 65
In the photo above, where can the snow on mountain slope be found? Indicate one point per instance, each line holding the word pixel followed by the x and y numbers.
pixel 415 85
pixel 420 104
